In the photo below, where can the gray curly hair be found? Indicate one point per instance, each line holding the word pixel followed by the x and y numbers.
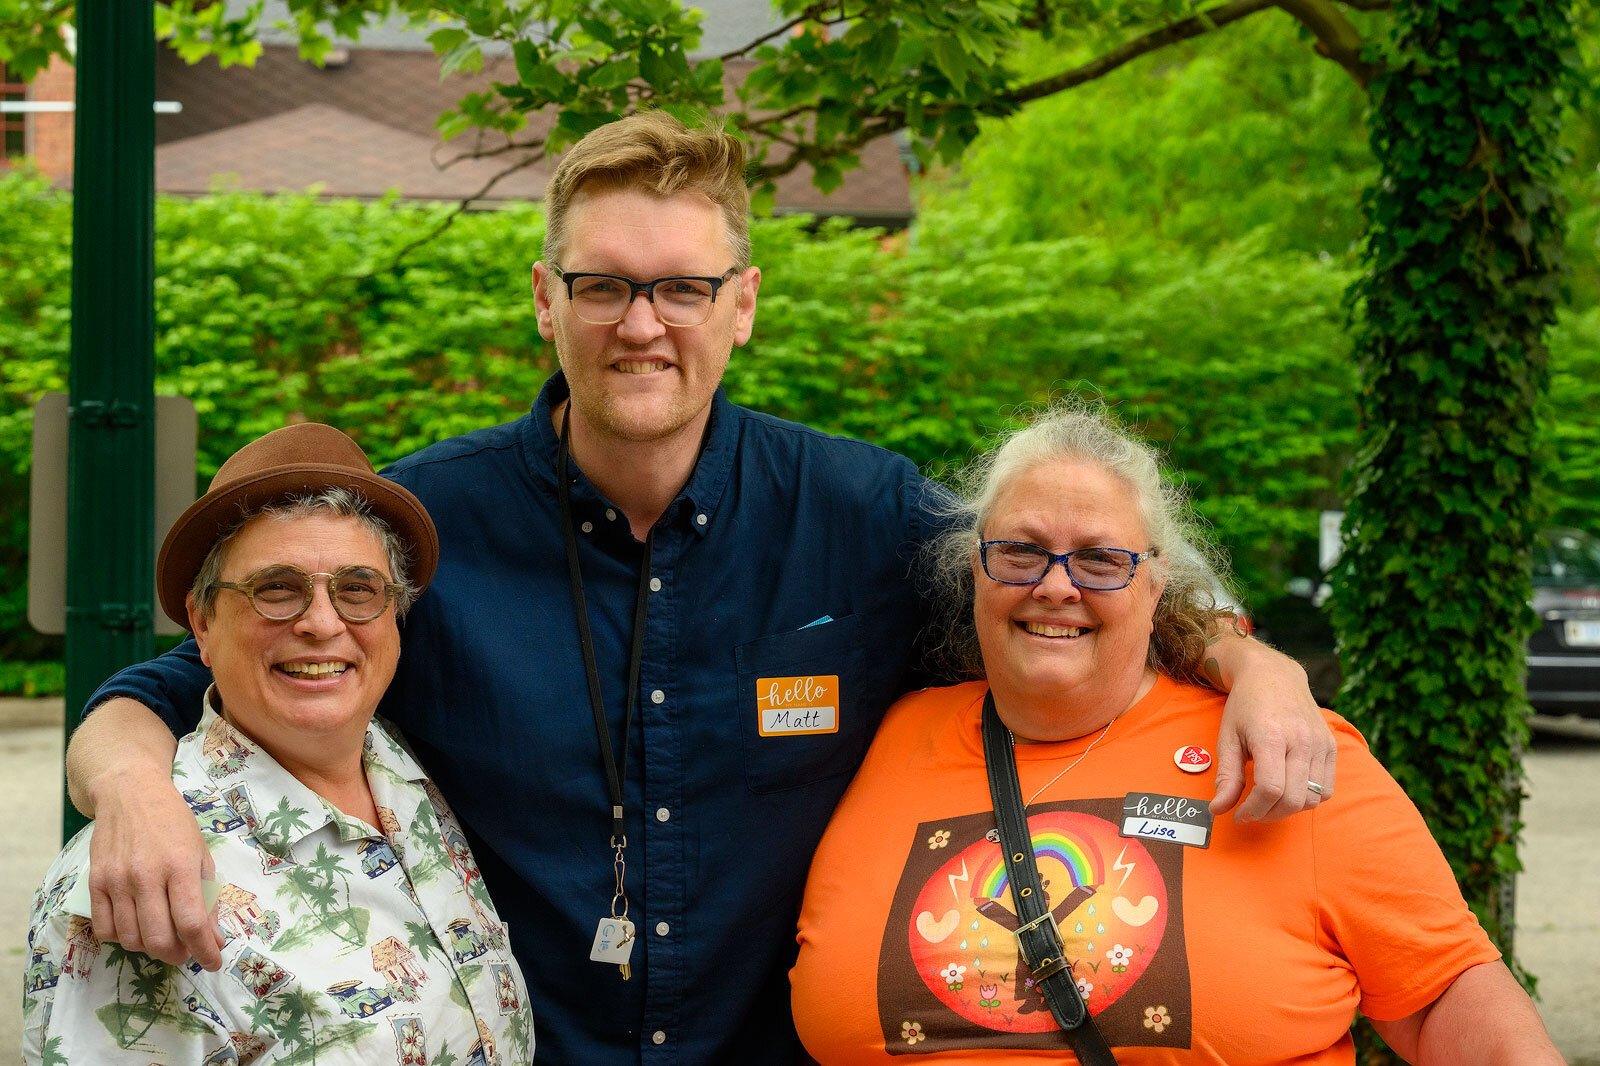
pixel 1191 567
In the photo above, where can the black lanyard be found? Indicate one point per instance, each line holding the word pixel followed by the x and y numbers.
pixel 614 770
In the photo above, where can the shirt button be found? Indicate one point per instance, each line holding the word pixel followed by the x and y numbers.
pixel 655 584
pixel 658 1037
pixel 611 515
pixel 700 519
pixel 662 814
pixel 658 696
pixel 662 928
pixel 588 527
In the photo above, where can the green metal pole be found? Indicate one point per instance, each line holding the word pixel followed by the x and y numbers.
pixel 111 434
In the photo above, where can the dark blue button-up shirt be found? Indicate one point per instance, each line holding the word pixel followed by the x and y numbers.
pixel 788 555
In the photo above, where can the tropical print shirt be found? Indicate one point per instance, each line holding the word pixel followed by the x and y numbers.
pixel 345 943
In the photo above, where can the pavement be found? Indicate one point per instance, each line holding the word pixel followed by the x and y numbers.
pixel 1558 893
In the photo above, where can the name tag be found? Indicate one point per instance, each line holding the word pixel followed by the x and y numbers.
pixel 797 706
pixel 1178 819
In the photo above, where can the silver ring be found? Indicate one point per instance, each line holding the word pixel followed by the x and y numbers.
pixel 1320 790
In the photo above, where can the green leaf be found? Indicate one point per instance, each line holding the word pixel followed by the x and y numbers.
pixel 451 124
pixel 708 76
pixel 614 75
pixel 529 61
pixel 654 67
pixel 949 58
pixel 467 58
pixel 875 56
pixel 447 40
pixel 826 177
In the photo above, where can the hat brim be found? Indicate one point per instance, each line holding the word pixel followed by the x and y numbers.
pixel 195 532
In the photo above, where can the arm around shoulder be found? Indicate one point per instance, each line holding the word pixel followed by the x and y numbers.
pixel 1272 717
pixel 123 745
pixel 147 858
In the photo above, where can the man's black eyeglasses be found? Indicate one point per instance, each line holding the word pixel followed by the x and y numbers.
pixel 679 300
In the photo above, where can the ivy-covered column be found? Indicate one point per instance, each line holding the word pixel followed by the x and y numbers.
pixel 1461 280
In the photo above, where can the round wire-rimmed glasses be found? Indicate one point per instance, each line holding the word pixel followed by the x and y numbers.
pixel 1016 562
pixel 678 300
pixel 282 592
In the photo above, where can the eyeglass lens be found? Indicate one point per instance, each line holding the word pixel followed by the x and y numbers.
pixel 601 301
pixel 359 593
pixel 1103 569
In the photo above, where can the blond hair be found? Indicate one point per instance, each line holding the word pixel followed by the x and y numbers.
pixel 653 152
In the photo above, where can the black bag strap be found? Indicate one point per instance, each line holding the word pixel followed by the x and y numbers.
pixel 1037 936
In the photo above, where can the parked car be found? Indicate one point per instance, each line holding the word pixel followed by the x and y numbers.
pixel 1563 655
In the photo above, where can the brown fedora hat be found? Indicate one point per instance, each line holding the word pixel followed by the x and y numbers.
pixel 306 458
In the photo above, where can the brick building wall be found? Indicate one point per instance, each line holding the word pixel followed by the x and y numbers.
pixel 50 134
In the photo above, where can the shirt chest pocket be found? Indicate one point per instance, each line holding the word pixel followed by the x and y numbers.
pixel 800 705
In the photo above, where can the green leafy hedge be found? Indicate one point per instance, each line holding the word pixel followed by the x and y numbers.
pixel 1235 358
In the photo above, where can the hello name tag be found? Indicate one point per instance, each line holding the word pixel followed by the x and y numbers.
pixel 1178 819
pixel 797 706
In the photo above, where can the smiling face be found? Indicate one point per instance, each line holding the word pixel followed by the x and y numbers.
pixel 1061 660
pixel 306 687
pixel 638 380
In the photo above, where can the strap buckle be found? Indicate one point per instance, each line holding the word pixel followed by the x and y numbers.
pixel 1051 964
pixel 1044 918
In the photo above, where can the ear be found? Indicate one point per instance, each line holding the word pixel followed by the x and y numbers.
pixel 200 626
pixel 1158 587
pixel 744 323
pixel 542 278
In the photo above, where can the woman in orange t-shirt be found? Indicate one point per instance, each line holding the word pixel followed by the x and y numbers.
pixel 1188 940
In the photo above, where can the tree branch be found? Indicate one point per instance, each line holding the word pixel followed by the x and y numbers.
pixel 484 153
pixel 810 14
pixel 1337 38
pixel 890 121
pixel 879 126
pixel 467 201
pixel 1100 66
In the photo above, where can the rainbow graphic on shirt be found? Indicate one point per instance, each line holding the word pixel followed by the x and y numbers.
pixel 1052 845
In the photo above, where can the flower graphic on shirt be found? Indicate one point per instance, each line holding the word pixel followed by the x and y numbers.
pixel 911 1032
pixel 939 840
pixel 989 996
pixel 1085 986
pixel 952 975
pixel 1157 1018
pixel 1120 957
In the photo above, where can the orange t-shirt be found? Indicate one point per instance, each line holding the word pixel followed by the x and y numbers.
pixel 1247 944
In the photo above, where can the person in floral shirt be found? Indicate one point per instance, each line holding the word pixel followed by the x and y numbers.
pixel 355 925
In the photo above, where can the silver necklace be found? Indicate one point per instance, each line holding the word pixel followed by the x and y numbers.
pixel 1082 756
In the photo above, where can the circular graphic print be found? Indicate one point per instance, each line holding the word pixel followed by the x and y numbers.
pixel 1104 891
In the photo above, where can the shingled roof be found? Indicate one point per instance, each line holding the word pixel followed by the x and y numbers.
pixel 366 127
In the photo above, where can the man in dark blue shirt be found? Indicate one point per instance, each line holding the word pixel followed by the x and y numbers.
pixel 661 634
